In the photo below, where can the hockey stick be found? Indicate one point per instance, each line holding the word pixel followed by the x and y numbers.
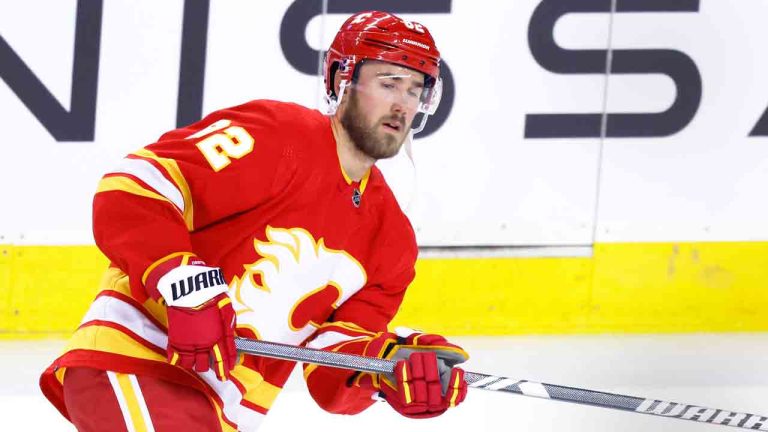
pixel 523 387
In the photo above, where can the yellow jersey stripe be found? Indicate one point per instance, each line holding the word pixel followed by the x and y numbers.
pixel 103 338
pixel 455 390
pixel 260 392
pixel 125 184
pixel 364 181
pixel 161 261
pixel 115 280
pixel 60 375
pixel 132 402
pixel 406 386
pixel 142 402
pixel 219 362
pixel 173 170
pixel 348 326
pixel 348 179
pixel 121 401
pixel 225 427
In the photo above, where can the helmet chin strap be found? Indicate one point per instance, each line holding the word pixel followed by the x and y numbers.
pixel 421 125
pixel 333 103
pixel 414 187
pixel 409 148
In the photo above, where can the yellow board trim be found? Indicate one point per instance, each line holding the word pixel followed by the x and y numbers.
pixel 45 290
pixel 622 288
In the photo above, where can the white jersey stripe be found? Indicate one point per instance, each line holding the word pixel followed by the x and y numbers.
pixel 150 175
pixel 249 420
pixel 107 308
pixel 121 401
pixel 228 393
pixel 331 338
pixel 142 403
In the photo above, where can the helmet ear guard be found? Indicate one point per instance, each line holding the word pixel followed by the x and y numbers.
pixel 343 66
pixel 331 98
pixel 331 74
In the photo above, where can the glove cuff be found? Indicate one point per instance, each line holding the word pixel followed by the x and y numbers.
pixel 156 270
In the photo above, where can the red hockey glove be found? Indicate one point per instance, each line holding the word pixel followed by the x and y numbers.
pixel 425 382
pixel 201 320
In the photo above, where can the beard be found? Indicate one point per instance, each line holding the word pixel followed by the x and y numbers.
pixel 367 138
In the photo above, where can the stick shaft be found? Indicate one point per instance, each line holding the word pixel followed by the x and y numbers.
pixel 314 356
pixel 522 387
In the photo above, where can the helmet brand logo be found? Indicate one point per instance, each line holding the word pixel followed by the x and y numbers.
pixel 418 44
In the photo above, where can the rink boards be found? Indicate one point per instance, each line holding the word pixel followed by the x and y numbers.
pixel 634 288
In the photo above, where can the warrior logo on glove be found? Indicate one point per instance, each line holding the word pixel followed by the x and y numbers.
pixel 183 287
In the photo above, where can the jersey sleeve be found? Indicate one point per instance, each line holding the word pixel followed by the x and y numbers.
pixel 356 322
pixel 145 209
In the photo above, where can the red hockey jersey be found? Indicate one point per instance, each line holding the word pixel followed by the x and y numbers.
pixel 310 256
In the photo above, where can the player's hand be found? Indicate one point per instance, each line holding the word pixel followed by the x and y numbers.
pixel 201 320
pixel 203 337
pixel 425 382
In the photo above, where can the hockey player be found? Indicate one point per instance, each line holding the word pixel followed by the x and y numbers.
pixel 267 220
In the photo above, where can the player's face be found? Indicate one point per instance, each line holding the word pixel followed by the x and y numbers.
pixel 381 106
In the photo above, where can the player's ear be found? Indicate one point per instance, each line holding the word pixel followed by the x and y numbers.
pixel 336 79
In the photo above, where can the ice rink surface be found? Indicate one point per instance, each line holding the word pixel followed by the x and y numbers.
pixel 728 371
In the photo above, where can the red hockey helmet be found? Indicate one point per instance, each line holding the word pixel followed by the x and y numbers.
pixel 385 37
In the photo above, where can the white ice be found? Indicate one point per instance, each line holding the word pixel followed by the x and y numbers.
pixel 728 371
